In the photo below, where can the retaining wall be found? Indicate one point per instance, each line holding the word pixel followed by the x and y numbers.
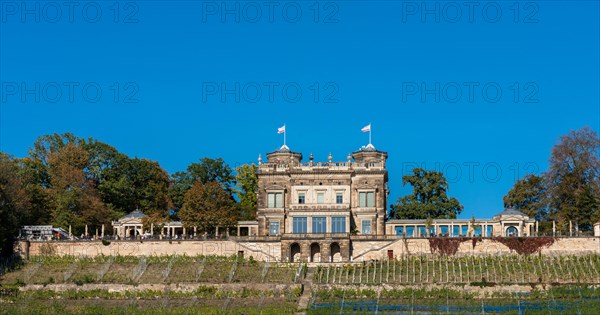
pixel 272 250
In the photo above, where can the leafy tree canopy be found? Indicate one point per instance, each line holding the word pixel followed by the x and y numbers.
pixel 528 195
pixel 207 206
pixel 429 198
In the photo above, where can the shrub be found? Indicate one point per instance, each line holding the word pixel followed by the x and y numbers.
pixel 445 246
pixel 525 245
pixel 105 242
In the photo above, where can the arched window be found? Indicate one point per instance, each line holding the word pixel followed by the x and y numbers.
pixel 512 231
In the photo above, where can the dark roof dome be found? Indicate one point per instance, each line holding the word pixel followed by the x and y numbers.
pixel 135 214
pixel 511 211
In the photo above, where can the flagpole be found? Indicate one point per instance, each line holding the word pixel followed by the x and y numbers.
pixel 370 127
pixel 284 133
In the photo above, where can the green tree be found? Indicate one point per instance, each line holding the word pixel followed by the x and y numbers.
pixel 207 206
pixel 573 178
pixel 207 170
pixel 246 189
pixel 74 199
pixel 528 195
pixel 180 184
pixel 212 170
pixel 429 198
pixel 14 203
pixel 137 183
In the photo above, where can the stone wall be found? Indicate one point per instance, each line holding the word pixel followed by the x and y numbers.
pixel 366 250
pixel 260 250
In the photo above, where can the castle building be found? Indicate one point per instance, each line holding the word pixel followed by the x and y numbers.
pixel 314 207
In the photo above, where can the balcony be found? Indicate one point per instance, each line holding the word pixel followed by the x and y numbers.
pixel 314 236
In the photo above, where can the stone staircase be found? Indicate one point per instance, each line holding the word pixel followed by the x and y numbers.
pixel 304 300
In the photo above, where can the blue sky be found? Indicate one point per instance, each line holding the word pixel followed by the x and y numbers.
pixel 479 92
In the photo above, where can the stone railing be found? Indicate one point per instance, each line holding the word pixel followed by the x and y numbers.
pixel 312 236
pixel 255 238
pixel 307 166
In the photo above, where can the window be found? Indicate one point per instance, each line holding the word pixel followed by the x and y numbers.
pixel 456 230
pixel 399 230
pixel 489 231
pixel 299 225
pixel 512 231
pixel 321 197
pixel 421 231
pixel 366 199
pixel 477 230
pixel 366 226
pixel 301 198
pixel 410 231
pixel 275 200
pixel 444 230
pixel 338 224
pixel 339 198
pixel 319 225
pixel 274 228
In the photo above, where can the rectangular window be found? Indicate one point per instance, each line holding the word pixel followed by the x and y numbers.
pixel 410 231
pixel 400 230
pixel 301 198
pixel 477 230
pixel 299 225
pixel 366 226
pixel 274 228
pixel 366 199
pixel 456 231
pixel 422 231
pixel 370 199
pixel 444 230
pixel 319 225
pixel 489 231
pixel 275 200
pixel 339 198
pixel 321 197
pixel 338 224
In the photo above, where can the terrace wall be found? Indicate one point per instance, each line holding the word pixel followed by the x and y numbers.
pixel 378 249
pixel 361 249
pixel 258 250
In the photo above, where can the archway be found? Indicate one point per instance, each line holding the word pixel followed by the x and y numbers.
pixel 512 231
pixel 315 252
pixel 336 255
pixel 295 252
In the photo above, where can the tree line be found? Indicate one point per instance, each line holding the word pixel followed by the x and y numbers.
pixel 67 181
pixel 567 193
pixel 70 181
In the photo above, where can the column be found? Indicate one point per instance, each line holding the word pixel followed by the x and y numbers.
pixel 348 225
pixel 195 231
pixel 309 225
pixel 238 230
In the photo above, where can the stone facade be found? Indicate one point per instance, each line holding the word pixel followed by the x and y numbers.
pixel 315 206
